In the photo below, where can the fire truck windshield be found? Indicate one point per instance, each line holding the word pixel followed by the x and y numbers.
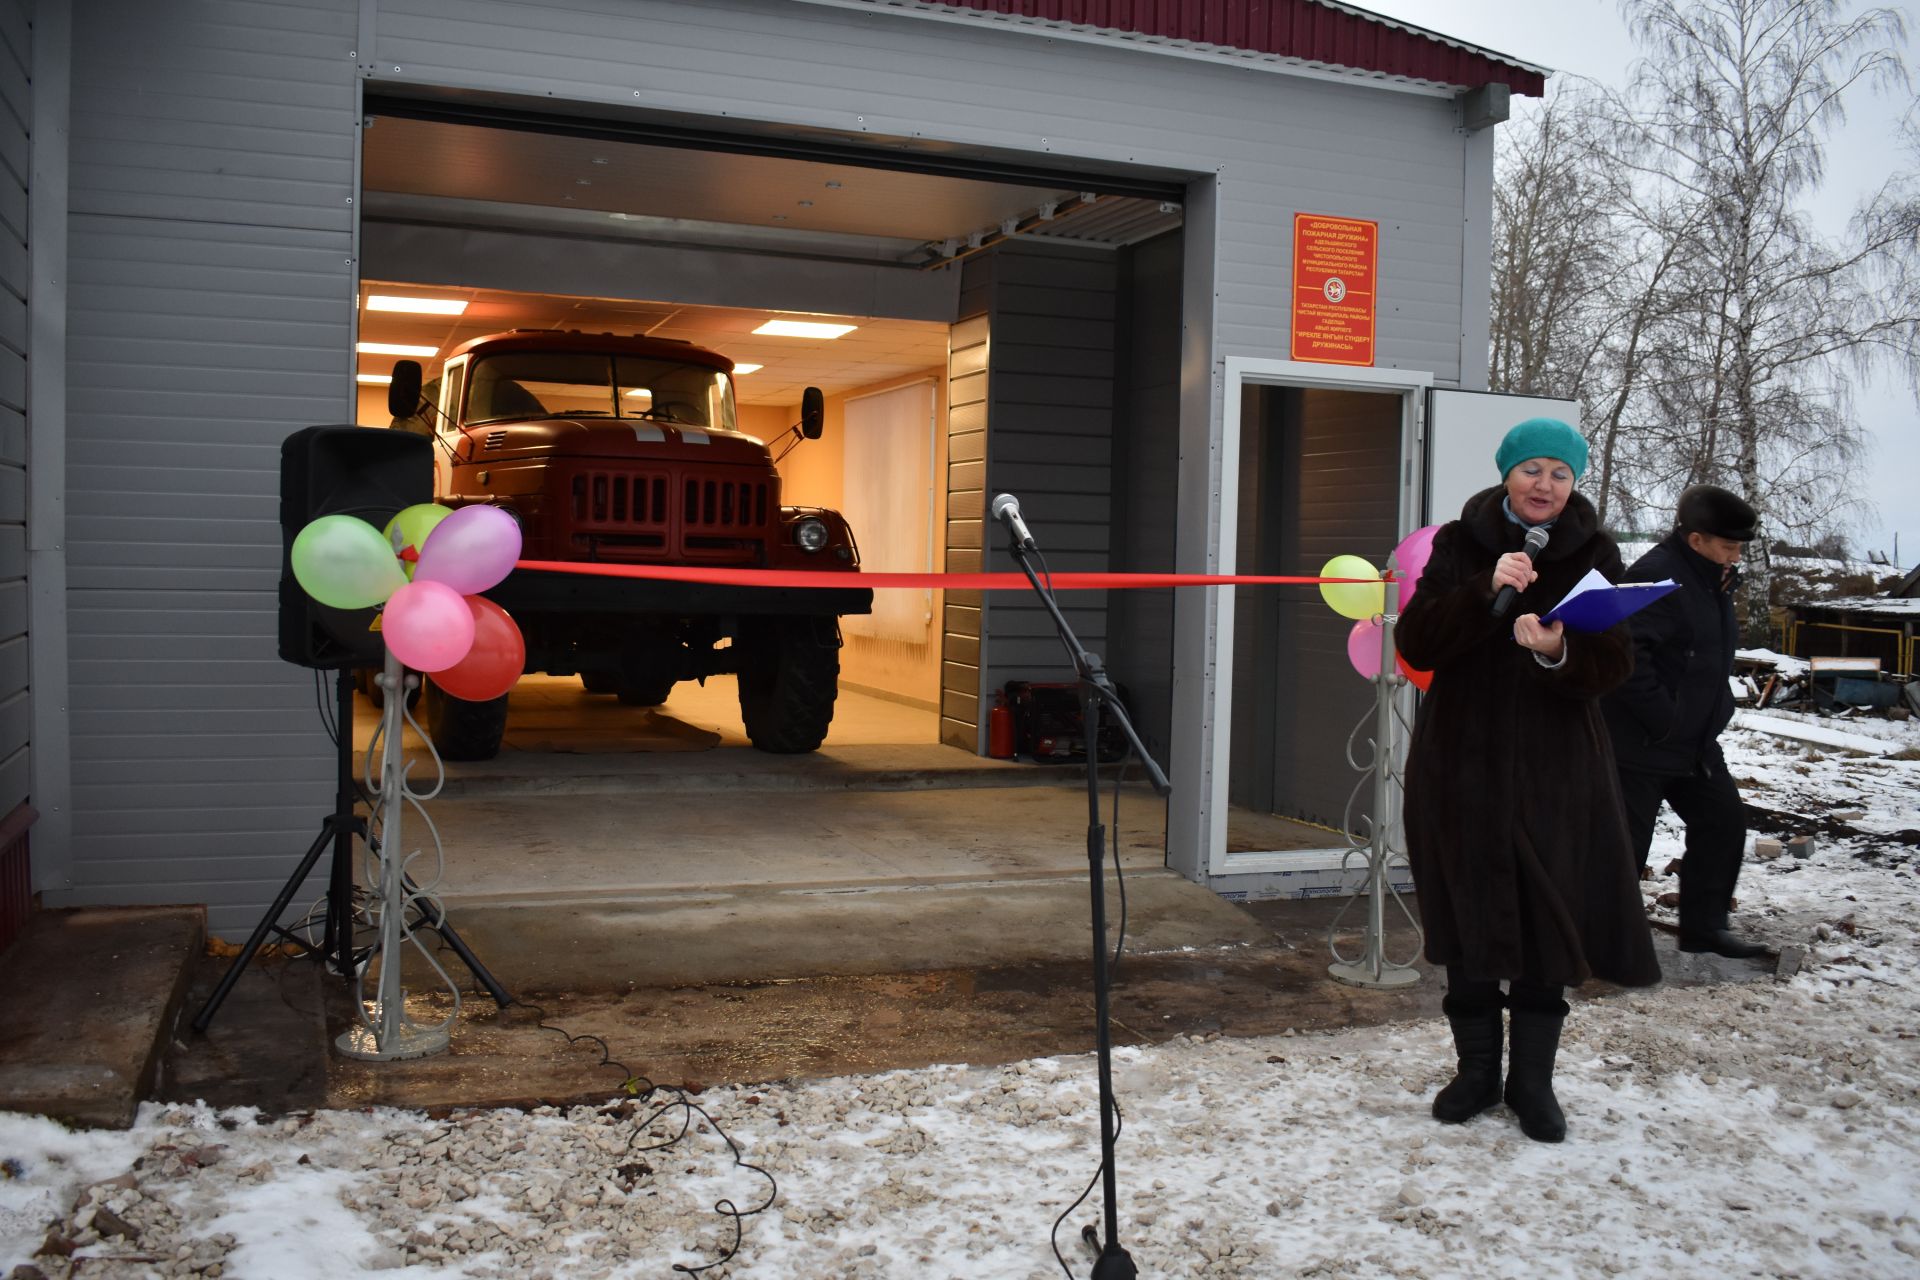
pixel 569 384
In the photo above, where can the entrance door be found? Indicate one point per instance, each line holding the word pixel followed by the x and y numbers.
pixel 1320 476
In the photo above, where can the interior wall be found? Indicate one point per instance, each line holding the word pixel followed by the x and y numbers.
pixel 1146 467
pixel 1050 415
pixel 1319 477
pixel 812 475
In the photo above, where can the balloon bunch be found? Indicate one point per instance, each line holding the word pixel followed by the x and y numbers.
pixel 427 569
pixel 1364 601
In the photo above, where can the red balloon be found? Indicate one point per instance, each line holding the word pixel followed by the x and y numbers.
pixel 498 655
pixel 1421 680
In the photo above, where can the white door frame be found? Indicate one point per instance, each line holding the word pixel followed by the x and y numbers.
pixel 1203 635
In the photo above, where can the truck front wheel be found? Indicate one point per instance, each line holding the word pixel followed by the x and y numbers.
pixel 789 678
pixel 463 730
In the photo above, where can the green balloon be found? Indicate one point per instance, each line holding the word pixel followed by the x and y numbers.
pixel 345 562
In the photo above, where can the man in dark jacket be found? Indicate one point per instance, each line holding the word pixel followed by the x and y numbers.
pixel 1666 719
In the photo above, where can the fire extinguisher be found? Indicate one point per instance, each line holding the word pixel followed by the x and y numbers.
pixel 1000 728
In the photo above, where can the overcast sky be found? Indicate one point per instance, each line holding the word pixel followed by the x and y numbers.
pixel 1588 38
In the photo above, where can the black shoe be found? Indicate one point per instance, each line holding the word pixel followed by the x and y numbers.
pixel 1475 1087
pixel 1534 1040
pixel 1723 942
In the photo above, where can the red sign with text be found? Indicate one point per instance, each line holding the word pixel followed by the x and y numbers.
pixel 1334 288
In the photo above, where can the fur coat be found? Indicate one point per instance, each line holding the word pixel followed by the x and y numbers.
pixel 1521 862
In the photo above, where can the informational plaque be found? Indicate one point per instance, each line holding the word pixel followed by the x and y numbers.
pixel 1334 289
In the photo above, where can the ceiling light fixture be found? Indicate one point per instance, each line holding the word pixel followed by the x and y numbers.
pixel 803 329
pixel 395 349
pixel 747 368
pixel 374 379
pixel 416 306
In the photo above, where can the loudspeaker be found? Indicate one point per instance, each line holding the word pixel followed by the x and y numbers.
pixel 357 471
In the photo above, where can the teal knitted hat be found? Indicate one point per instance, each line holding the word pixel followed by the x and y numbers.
pixel 1542 438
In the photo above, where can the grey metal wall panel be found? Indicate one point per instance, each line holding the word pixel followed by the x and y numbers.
pixel 1063 479
pixel 13 609
pixel 1319 479
pixel 210 313
pixel 211 169
pixel 14 717
pixel 1278 143
pixel 13 436
pixel 1146 460
pixel 215 111
pixel 16 115
pixel 16 56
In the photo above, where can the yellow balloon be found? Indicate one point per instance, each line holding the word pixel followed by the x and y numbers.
pixel 407 532
pixel 1356 600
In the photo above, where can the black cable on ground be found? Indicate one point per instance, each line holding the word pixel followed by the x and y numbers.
pixel 643 1093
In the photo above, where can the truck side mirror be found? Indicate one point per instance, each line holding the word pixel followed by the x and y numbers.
pixel 403 393
pixel 813 413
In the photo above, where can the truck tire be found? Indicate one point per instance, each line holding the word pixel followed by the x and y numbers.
pixel 789 678
pixel 463 730
pixel 649 692
pixel 599 682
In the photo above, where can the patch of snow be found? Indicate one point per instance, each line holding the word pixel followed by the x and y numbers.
pixel 1758 1128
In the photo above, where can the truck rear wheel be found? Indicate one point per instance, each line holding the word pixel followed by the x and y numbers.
pixel 789 678
pixel 463 730
pixel 599 682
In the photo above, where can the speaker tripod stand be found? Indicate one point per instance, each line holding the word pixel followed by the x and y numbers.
pixel 338 830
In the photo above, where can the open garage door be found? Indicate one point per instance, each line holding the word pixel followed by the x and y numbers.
pixel 540 221
pixel 798 264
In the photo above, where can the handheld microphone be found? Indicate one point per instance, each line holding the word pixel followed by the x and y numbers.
pixel 1536 539
pixel 1006 509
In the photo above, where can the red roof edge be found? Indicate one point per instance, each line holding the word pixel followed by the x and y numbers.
pixel 1308 30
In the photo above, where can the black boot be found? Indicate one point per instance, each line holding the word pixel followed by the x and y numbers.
pixel 1476 1085
pixel 1535 1041
pixel 1722 942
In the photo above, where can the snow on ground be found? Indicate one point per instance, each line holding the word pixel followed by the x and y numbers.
pixel 1767 1128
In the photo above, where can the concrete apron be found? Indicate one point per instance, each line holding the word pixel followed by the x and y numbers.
pixel 731 916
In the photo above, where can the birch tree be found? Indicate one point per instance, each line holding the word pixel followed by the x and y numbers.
pixel 1730 107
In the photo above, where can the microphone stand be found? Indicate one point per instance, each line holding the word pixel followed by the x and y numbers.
pixel 1096 690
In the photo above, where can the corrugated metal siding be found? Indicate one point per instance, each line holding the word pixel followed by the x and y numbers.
pixel 1049 443
pixel 1277 144
pixel 210 303
pixel 211 172
pixel 1146 474
pixel 1301 29
pixel 967 351
pixel 1319 477
pixel 16 706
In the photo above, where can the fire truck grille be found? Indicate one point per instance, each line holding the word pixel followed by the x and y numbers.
pixel 721 505
pixel 620 511
pixel 620 501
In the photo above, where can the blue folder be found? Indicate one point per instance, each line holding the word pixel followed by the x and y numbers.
pixel 1595 604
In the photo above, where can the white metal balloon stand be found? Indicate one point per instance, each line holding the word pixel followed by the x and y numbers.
pixel 1383 842
pixel 383 1029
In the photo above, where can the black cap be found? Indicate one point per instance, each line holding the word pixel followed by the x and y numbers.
pixel 1709 509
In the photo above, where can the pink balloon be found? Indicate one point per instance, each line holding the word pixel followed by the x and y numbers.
pixel 471 550
pixel 1410 560
pixel 1363 647
pixel 427 625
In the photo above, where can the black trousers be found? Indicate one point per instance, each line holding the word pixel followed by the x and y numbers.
pixel 1709 804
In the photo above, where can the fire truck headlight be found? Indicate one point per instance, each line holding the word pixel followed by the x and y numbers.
pixel 811 535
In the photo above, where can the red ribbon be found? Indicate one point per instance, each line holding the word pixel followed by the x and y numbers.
pixel 949 581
